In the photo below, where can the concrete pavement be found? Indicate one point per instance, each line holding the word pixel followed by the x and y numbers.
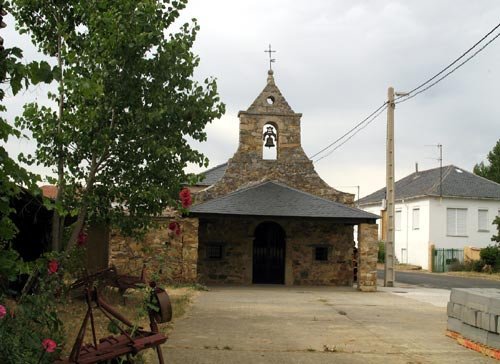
pixel 276 324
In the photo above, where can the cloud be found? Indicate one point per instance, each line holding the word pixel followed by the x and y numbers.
pixel 335 61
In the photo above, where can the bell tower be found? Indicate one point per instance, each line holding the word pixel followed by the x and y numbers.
pixel 270 124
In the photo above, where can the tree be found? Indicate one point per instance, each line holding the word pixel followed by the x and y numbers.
pixel 12 175
pixel 490 170
pixel 127 102
pixel 496 238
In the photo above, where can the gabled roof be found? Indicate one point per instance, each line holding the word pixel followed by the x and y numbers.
pixel 276 199
pixel 456 182
pixel 212 175
pixel 270 100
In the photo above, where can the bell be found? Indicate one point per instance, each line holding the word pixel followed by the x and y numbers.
pixel 269 142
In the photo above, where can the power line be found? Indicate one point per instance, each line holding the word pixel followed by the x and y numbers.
pixel 411 96
pixel 420 88
pixel 455 61
pixel 380 111
pixel 350 131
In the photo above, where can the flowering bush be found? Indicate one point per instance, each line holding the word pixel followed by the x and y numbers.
pixel 30 330
pixel 185 197
pixel 49 345
pixel 175 227
pixel 53 266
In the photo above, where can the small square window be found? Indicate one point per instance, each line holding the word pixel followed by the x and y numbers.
pixel 214 251
pixel 321 253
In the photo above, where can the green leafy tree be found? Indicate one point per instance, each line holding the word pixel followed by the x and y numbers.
pixel 12 176
pixel 127 105
pixel 496 238
pixel 490 169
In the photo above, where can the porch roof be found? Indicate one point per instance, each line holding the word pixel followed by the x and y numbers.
pixel 275 199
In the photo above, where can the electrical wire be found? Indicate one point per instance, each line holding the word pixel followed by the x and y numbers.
pixel 456 60
pixel 356 132
pixel 350 131
pixel 411 96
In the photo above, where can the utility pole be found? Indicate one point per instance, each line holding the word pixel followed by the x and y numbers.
pixel 389 273
pixel 389 270
pixel 440 147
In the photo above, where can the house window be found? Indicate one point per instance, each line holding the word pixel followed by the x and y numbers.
pixel 482 220
pixel 214 251
pixel 456 222
pixel 415 219
pixel 321 253
pixel 397 220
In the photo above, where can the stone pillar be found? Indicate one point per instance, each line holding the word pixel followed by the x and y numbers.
pixel 367 257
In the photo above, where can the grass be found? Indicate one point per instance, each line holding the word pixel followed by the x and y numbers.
pixel 72 313
pixel 489 276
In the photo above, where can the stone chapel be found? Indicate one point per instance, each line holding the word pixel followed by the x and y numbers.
pixel 264 217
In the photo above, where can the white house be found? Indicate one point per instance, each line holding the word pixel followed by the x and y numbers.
pixel 450 208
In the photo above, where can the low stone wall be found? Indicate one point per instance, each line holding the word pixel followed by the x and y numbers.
pixel 173 257
pixel 474 313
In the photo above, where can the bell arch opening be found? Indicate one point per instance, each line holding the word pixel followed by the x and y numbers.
pixel 270 141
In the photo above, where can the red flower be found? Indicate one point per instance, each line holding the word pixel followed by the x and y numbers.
pixel 82 238
pixel 185 197
pixel 53 266
pixel 175 227
pixel 49 345
pixel 3 311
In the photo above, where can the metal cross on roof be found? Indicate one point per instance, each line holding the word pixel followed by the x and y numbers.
pixel 271 60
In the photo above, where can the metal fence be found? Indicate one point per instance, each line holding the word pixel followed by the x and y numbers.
pixel 444 258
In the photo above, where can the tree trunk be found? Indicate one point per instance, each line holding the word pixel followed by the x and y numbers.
pixel 78 225
pixel 57 220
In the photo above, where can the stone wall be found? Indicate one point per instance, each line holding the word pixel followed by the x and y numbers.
pixel 236 234
pixel 367 257
pixel 174 257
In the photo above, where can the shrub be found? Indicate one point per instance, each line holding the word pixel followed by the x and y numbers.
pixel 491 256
pixel 457 266
pixel 381 252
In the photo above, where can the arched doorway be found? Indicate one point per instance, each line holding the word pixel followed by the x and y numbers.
pixel 269 254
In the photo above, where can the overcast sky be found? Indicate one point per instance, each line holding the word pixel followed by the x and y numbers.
pixel 334 63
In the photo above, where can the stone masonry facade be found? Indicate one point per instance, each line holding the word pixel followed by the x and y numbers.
pixel 236 235
pixel 291 167
pixel 172 257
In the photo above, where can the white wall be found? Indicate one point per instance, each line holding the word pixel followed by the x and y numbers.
pixel 438 232
pixel 411 244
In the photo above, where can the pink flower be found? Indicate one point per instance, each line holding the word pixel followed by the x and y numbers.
pixel 175 227
pixel 53 266
pixel 185 197
pixel 3 311
pixel 49 345
pixel 82 238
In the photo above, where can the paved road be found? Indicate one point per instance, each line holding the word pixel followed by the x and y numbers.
pixel 313 325
pixel 435 280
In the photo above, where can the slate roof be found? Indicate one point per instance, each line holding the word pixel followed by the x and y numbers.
pixel 457 182
pixel 212 175
pixel 276 199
